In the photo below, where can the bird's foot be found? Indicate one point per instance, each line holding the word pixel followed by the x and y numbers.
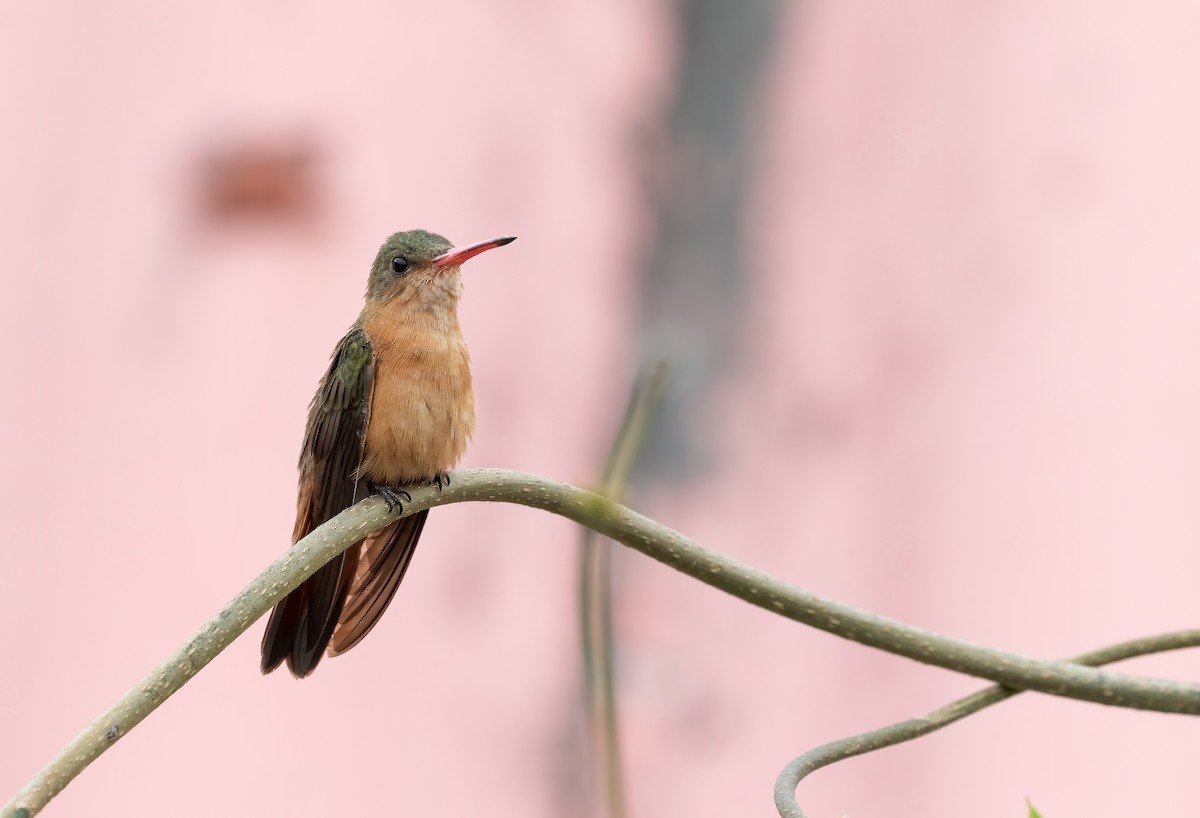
pixel 391 495
pixel 441 479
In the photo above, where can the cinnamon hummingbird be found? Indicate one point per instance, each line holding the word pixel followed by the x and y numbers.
pixel 395 407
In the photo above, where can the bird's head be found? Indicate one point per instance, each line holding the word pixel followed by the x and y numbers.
pixel 422 268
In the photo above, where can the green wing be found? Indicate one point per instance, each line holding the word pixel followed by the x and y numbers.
pixel 302 623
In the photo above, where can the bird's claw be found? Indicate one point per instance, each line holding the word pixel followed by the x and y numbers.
pixel 391 495
pixel 441 479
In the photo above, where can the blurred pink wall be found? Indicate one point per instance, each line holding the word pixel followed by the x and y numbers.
pixel 971 401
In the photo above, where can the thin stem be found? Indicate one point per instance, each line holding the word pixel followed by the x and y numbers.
pixel 595 586
pixel 834 751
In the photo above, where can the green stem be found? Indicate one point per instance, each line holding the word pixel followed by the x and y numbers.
pixel 629 528
pixel 595 593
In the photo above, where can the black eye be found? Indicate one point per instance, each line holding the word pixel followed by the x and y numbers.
pixel 399 265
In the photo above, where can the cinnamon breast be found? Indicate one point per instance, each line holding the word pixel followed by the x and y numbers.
pixel 422 411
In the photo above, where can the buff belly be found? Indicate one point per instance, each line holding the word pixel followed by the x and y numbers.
pixel 421 417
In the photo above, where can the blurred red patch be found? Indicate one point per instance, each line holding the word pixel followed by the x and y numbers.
pixel 248 181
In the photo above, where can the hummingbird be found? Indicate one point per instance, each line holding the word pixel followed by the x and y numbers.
pixel 396 407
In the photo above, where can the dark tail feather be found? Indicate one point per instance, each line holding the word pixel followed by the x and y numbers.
pixel 384 559
pixel 302 623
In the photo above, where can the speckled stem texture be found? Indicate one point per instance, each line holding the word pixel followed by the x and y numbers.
pixel 627 527
pixel 834 751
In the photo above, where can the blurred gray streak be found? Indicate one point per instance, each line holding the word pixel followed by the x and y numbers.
pixel 696 172
pixel 697 178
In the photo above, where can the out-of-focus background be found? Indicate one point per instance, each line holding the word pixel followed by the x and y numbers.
pixel 927 276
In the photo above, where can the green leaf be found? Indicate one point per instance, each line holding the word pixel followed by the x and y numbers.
pixel 1033 813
